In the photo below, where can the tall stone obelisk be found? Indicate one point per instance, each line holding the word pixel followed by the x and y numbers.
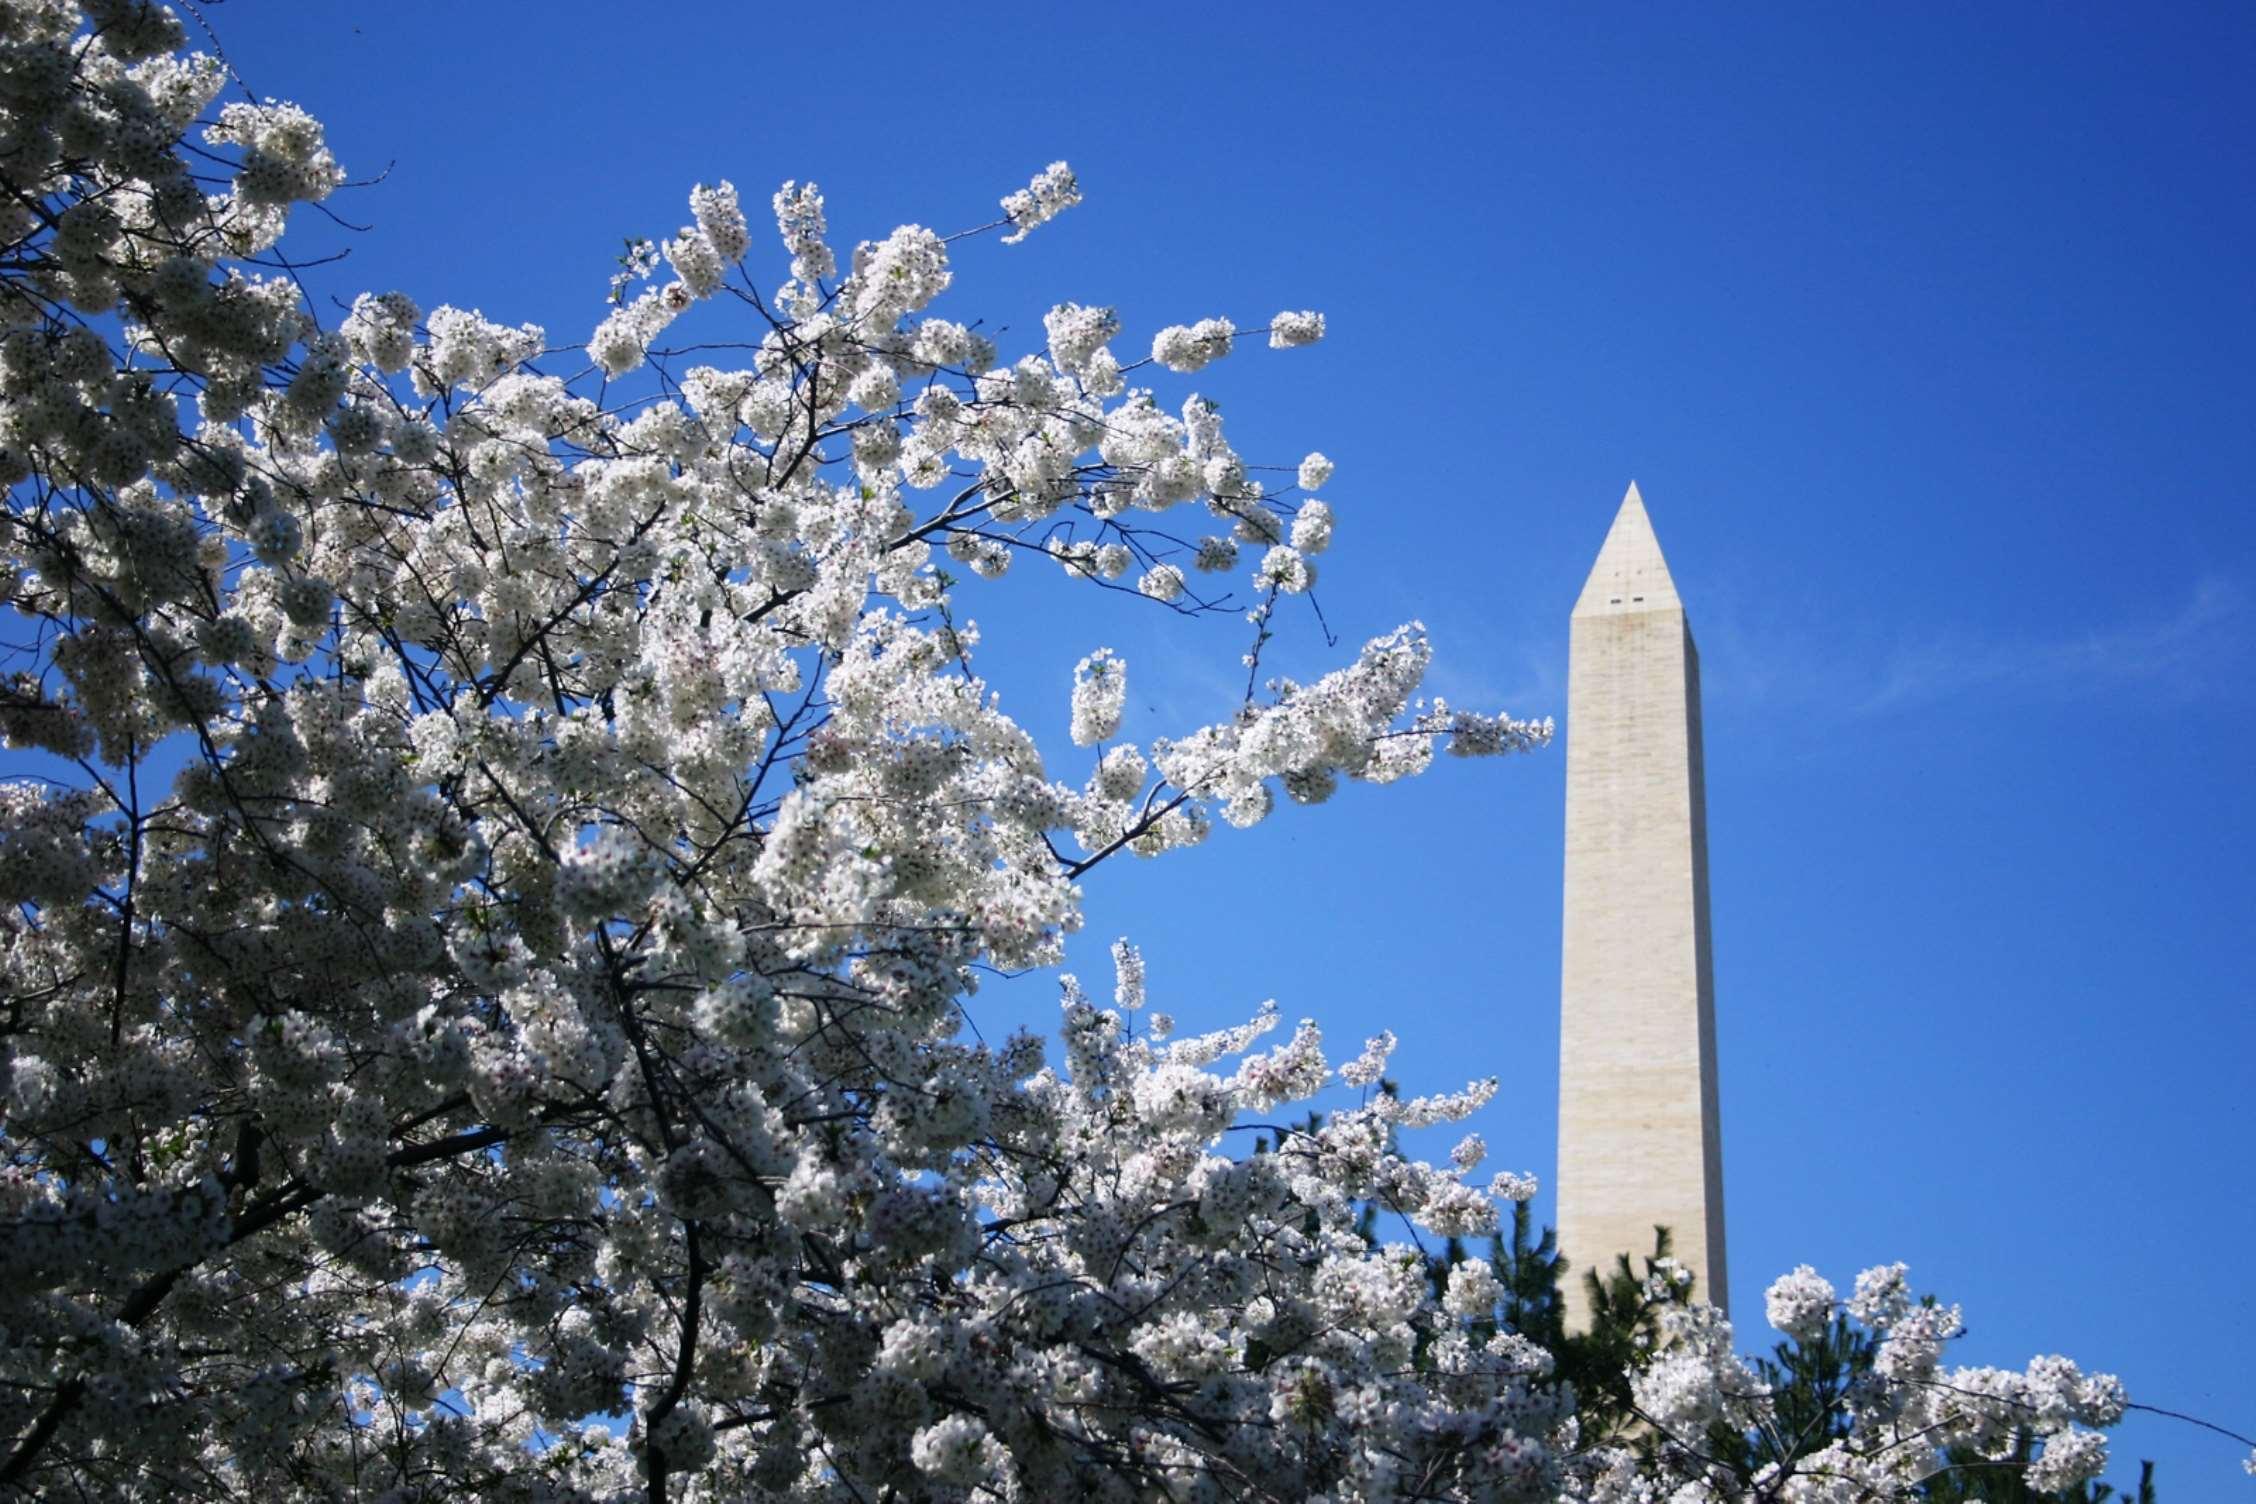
pixel 1640 1142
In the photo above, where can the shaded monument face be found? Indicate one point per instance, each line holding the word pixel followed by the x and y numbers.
pixel 1640 1142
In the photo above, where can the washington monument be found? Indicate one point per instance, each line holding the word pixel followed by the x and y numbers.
pixel 1640 1142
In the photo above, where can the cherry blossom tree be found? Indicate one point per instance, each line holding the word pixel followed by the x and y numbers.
pixel 505 834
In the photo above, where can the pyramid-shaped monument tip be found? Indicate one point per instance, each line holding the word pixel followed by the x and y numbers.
pixel 1630 575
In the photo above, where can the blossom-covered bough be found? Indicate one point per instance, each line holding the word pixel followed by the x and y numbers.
pixel 502 842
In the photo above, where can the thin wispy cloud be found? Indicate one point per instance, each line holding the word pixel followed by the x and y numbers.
pixel 2200 648
pixel 1528 679
pixel 2204 648
pixel 1182 691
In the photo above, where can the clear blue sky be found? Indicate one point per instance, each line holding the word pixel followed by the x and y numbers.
pixel 1926 331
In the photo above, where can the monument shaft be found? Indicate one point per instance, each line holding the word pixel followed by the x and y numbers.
pixel 1640 1141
